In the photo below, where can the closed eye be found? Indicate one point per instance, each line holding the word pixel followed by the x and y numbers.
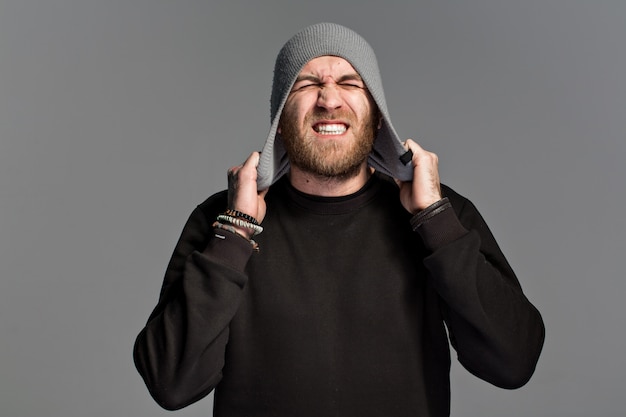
pixel 304 82
pixel 305 86
pixel 348 82
pixel 351 85
pixel 351 81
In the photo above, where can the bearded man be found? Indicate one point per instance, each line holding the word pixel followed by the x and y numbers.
pixel 340 306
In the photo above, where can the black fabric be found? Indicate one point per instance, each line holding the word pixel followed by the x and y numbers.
pixel 340 314
pixel 406 157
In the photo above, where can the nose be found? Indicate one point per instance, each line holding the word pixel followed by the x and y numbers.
pixel 329 97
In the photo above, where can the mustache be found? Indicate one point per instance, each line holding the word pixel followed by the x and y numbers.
pixel 318 115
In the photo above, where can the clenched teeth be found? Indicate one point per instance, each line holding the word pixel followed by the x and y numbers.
pixel 330 129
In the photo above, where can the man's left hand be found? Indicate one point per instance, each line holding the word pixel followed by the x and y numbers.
pixel 425 188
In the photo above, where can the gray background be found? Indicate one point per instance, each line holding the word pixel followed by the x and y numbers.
pixel 117 117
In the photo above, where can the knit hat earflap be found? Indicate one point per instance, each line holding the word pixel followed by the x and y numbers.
pixel 388 155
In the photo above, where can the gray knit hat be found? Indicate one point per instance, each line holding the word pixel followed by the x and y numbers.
pixel 388 156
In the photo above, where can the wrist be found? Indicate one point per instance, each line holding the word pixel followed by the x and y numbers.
pixel 250 227
pixel 438 225
pixel 243 232
pixel 235 231
pixel 429 211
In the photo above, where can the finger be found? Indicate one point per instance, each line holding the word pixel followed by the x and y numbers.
pixel 419 153
pixel 248 169
pixel 232 171
pixel 253 160
pixel 410 144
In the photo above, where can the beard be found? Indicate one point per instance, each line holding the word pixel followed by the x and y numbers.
pixel 328 158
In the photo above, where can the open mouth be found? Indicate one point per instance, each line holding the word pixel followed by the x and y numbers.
pixel 330 128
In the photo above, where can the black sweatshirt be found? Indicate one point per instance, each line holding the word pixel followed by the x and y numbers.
pixel 342 311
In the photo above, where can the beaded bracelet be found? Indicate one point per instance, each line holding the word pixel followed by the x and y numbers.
pixel 242 215
pixel 239 222
pixel 231 229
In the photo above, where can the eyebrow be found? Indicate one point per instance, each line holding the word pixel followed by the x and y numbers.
pixel 316 79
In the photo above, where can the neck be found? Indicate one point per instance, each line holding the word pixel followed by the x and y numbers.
pixel 329 186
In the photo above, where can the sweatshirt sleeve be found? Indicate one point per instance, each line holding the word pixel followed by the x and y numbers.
pixel 497 333
pixel 180 351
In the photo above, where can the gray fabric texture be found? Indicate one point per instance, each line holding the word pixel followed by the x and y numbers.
pixel 336 40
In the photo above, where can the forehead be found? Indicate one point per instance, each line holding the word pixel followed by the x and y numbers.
pixel 328 65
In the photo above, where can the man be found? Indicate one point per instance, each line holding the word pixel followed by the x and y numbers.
pixel 340 306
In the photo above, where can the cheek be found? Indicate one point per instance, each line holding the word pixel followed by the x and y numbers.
pixel 361 106
pixel 364 112
pixel 292 112
pixel 287 115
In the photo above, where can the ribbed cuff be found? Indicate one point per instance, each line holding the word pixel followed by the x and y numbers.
pixel 232 249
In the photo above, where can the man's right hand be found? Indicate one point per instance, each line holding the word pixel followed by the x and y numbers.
pixel 243 194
